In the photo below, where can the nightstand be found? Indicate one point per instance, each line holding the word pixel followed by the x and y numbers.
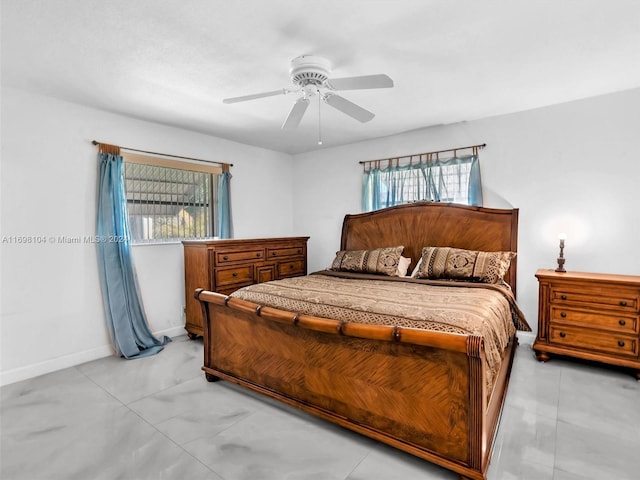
pixel 592 316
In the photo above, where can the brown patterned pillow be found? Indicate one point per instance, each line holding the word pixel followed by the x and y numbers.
pixel 459 264
pixel 380 260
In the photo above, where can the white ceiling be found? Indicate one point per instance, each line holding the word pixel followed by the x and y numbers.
pixel 173 61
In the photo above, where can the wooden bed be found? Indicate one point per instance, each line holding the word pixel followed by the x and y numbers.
pixel 423 392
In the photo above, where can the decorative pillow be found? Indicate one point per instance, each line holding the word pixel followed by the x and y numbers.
pixel 403 266
pixel 380 260
pixel 459 264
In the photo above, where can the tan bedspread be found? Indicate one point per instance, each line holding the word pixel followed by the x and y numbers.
pixel 465 308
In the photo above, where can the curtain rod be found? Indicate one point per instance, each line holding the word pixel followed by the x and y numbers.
pixel 364 162
pixel 95 142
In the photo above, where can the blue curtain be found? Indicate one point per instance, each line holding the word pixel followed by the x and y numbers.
pixel 225 229
pixel 427 181
pixel 475 183
pixel 126 320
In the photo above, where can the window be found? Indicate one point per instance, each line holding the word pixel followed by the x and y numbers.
pixel 445 183
pixel 454 180
pixel 169 200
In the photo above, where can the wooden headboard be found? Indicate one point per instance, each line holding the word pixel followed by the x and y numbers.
pixel 421 224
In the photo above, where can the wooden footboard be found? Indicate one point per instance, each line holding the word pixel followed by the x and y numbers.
pixel 419 391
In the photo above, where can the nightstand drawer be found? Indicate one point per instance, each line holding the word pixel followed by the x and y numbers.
pixel 620 299
pixel 294 268
pixel 606 320
pixel 238 256
pixel 284 252
pixel 593 340
pixel 241 275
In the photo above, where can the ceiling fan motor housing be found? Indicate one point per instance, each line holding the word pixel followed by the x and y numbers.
pixel 309 70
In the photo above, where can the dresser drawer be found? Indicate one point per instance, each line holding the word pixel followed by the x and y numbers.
pixel 293 268
pixel 593 340
pixel 230 256
pixel 618 298
pixel 607 320
pixel 241 275
pixel 284 252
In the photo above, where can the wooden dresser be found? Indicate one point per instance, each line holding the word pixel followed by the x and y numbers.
pixel 593 316
pixel 225 265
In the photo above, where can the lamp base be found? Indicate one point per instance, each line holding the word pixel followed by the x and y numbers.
pixel 560 265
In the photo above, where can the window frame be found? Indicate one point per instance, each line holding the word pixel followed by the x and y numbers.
pixel 214 172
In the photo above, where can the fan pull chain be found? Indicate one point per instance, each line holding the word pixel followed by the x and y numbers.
pixel 319 126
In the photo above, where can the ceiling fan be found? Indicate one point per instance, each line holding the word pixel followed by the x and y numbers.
pixel 310 75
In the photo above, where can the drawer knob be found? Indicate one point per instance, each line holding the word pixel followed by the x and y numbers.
pixel 234 274
pixel 623 303
pixel 563 297
pixel 225 257
pixel 258 254
pixel 622 322
pixel 563 315
pixel 620 343
pixel 562 334
pixel 273 254
pixel 299 251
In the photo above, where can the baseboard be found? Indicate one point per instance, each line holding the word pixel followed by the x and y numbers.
pixel 60 363
pixel 53 365
pixel 526 337
pixel 172 332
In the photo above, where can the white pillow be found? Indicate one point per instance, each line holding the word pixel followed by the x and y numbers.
pixel 403 266
pixel 417 269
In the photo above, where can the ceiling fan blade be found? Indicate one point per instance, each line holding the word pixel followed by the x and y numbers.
pixel 296 113
pixel 357 83
pixel 282 91
pixel 350 108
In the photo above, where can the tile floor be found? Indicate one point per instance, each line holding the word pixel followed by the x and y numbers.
pixel 158 418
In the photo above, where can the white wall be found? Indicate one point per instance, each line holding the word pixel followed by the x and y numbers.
pixel 51 309
pixel 570 168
